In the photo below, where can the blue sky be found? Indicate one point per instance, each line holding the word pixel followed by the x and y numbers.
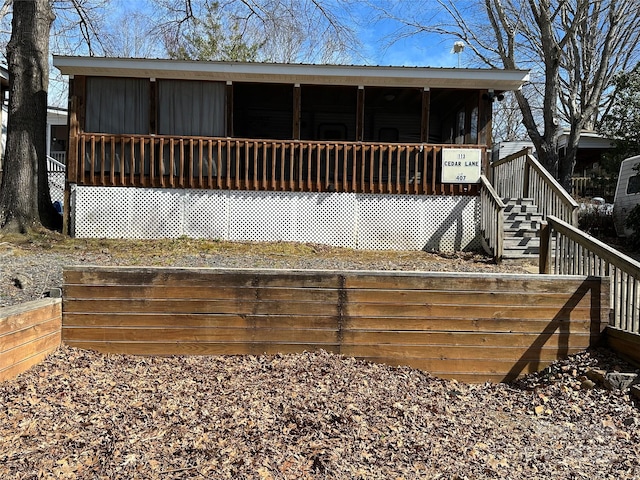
pixel 418 50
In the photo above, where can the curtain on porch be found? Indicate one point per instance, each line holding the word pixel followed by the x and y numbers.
pixel 191 108
pixel 118 106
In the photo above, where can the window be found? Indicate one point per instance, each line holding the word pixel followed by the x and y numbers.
pixel 459 134
pixel 473 133
pixel 634 184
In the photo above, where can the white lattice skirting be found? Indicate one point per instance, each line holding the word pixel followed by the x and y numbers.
pixel 363 221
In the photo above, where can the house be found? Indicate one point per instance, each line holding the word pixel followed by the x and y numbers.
pixel 57 133
pixel 588 176
pixel 354 156
pixel 57 130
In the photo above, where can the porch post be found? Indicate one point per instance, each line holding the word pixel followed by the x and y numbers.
pixel 426 107
pixel 153 106
pixel 229 109
pixel 360 114
pixel 297 103
pixel 484 126
pixel 75 106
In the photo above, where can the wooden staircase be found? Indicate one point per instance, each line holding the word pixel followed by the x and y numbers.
pixel 521 229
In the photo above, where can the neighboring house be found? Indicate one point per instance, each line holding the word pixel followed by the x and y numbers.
pixel 362 157
pixel 588 170
pixel 57 130
pixel 57 133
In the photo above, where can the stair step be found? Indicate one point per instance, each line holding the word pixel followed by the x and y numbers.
pixel 521 233
pixel 521 209
pixel 521 242
pixel 517 201
pixel 520 217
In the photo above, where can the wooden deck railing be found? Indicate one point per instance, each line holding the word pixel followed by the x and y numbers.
pixel 491 218
pixel 576 253
pixel 521 176
pixel 250 164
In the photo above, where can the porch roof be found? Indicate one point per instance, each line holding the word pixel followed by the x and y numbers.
pixel 346 75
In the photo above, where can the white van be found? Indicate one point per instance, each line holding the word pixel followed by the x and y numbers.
pixel 627 194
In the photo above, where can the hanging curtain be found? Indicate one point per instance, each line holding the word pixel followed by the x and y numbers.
pixel 191 108
pixel 117 106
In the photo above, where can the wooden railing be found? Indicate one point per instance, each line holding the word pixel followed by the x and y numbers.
pixel 573 252
pixel 249 164
pixel 491 218
pixel 521 176
pixel 59 156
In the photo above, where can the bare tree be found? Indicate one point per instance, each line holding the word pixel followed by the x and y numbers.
pixel 287 31
pixel 507 120
pixel 25 202
pixel 572 47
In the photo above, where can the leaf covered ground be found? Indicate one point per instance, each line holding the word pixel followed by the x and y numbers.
pixel 317 415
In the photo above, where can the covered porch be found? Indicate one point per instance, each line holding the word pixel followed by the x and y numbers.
pixel 255 126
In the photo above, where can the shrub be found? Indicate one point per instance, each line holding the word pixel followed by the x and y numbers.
pixel 633 221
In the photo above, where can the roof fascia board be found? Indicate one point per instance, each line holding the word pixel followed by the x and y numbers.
pixel 346 75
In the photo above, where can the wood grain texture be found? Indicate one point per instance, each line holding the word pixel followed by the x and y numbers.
pixel 28 333
pixel 624 343
pixel 469 326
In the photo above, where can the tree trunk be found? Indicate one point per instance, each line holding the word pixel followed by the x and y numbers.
pixel 25 201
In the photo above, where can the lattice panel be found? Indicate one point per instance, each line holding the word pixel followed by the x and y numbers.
pixel 262 216
pixel 390 222
pixel 101 212
pixel 450 224
pixel 155 213
pixel 365 221
pixel 56 186
pixel 327 218
pixel 206 214
pixel 119 212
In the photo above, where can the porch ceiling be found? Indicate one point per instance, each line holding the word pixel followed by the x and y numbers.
pixel 354 75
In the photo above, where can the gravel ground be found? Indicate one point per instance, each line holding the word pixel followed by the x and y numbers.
pixel 27 272
pixel 315 415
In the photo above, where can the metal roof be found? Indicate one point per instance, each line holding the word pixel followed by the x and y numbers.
pixel 347 75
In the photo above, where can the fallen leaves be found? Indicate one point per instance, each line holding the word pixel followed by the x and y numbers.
pixel 314 415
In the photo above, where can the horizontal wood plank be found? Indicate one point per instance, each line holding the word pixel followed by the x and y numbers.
pixel 17 317
pixel 625 343
pixel 28 350
pixel 162 292
pixel 194 277
pixel 28 334
pixel 461 352
pixel 200 348
pixel 201 320
pixel 208 335
pixel 453 324
pixel 10 371
pixel 426 340
pixel 470 312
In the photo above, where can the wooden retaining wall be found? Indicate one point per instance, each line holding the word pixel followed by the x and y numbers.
pixel 624 343
pixel 473 327
pixel 28 333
